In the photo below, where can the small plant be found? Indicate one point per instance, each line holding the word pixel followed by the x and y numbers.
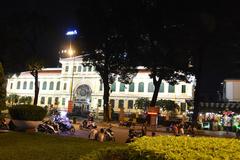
pixel 27 112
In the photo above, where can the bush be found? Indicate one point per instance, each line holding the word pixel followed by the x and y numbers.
pixel 174 148
pixel 27 112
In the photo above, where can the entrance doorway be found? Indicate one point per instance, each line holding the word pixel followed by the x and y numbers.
pixel 83 98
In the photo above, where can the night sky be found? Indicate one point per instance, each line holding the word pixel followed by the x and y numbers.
pixel 62 16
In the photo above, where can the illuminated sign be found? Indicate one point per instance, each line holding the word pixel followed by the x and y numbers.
pixel 70 33
pixel 152 113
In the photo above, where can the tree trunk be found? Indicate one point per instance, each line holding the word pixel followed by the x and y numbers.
pixel 106 100
pixel 157 84
pixel 198 71
pixel 36 88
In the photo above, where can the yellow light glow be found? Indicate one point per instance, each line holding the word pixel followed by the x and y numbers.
pixel 70 52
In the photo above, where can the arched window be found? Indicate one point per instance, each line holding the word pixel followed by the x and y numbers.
pixel 44 87
pixel 58 85
pixel 131 87
pixel 66 68
pixel 89 68
pixel 65 86
pixel 150 87
pixel 141 87
pixel 171 89
pixel 101 86
pixel 161 88
pixel 113 87
pixel 31 85
pixel 51 86
pixel 18 85
pixel 25 85
pixel 122 87
pixel 79 68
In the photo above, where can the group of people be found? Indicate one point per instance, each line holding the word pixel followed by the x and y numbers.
pixel 94 134
pixel 178 129
pixel 101 135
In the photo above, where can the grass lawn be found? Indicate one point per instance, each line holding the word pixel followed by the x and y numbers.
pixel 35 146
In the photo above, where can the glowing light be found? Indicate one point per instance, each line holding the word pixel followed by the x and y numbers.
pixel 70 52
pixel 70 33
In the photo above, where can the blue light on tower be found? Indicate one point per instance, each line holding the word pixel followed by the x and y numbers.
pixel 71 33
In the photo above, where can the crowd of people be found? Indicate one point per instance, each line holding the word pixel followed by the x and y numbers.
pixel 181 128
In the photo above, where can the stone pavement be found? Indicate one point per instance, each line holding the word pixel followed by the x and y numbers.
pixel 121 133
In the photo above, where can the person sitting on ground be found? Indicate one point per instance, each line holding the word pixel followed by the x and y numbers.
pixel 101 135
pixel 181 128
pixel 93 133
pixel 175 129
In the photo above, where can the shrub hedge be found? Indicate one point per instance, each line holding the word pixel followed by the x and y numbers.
pixel 173 148
pixel 27 112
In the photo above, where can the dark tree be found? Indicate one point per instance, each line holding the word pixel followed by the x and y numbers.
pixel 34 69
pixel 110 60
pixel 2 89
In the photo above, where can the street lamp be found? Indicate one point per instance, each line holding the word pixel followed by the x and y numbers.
pixel 71 52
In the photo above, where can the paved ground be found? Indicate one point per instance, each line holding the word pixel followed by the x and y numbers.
pixel 121 133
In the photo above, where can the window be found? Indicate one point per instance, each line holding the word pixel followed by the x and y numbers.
pixel 74 68
pixel 24 85
pixel 18 85
pixel 171 89
pixel 113 87
pixel 44 87
pixel 112 103
pixel 65 86
pixel 122 87
pixel 79 68
pixel 11 86
pixel 130 104
pixel 131 87
pixel 89 68
pixel 66 69
pixel 31 86
pixel 183 107
pixel 161 88
pixel 84 68
pixel 42 100
pixel 51 86
pixel 150 87
pixel 49 100
pixel 101 86
pixel 183 88
pixel 58 85
pixel 99 103
pixel 121 103
pixel 56 101
pixel 141 87
pixel 63 101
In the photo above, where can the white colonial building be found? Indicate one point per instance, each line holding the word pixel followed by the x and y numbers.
pixel 231 90
pixel 55 86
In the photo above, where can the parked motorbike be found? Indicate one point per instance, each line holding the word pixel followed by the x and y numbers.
pixel 126 123
pixel 87 124
pixel 109 134
pixel 64 125
pixel 3 124
pixel 48 127
pixel 132 135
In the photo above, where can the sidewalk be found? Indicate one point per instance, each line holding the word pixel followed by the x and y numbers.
pixel 162 129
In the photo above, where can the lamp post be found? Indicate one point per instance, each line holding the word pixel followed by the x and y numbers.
pixel 71 52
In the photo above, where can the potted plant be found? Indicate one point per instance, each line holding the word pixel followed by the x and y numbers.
pixel 27 116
